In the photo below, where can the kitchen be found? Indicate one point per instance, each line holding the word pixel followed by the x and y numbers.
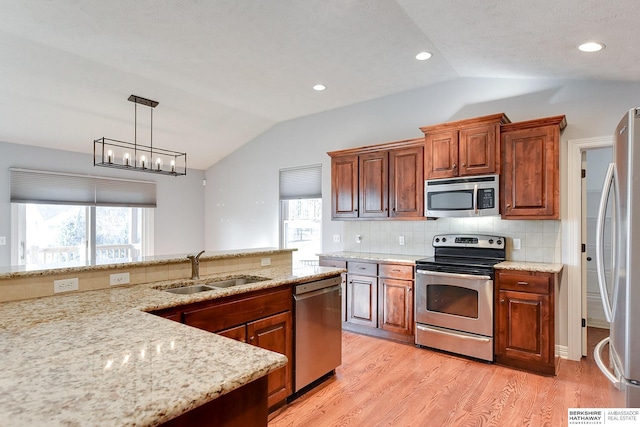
pixel 220 220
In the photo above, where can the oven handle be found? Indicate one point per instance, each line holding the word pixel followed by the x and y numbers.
pixel 452 275
pixel 440 331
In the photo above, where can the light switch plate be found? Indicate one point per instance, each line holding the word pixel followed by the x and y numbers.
pixel 265 261
pixel 401 240
pixel 517 244
pixel 119 279
pixel 336 238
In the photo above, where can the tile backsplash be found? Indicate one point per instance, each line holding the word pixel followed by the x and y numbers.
pixel 541 241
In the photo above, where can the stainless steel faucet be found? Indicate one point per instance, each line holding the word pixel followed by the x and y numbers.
pixel 195 265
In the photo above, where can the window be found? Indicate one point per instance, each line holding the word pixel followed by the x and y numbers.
pixel 70 235
pixel 68 219
pixel 301 213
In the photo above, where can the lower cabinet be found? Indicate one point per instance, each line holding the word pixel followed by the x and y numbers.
pixel 261 318
pixel 378 299
pixel 362 300
pixel 525 327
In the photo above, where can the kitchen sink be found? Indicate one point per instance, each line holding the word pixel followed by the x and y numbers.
pixel 215 285
pixel 185 290
pixel 236 281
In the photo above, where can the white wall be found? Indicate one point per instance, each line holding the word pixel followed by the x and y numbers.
pixel 241 199
pixel 179 217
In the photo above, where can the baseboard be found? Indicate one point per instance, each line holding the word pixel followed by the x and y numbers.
pixel 562 351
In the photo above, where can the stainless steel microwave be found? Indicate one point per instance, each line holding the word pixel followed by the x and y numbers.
pixel 462 197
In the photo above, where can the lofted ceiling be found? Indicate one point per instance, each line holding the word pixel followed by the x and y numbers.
pixel 224 71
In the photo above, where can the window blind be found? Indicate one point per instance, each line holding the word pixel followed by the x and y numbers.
pixel 301 183
pixel 57 188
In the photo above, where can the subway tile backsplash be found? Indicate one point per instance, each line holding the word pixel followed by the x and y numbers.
pixel 540 240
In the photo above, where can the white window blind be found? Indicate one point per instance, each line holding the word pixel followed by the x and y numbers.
pixel 33 186
pixel 301 183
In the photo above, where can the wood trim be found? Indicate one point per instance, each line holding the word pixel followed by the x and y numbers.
pixel 560 121
pixel 500 118
pixel 378 147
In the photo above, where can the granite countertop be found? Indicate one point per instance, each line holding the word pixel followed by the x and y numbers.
pixel 541 267
pixel 372 256
pixel 39 270
pixel 97 358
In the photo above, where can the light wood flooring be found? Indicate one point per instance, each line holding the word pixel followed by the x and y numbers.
pixel 384 383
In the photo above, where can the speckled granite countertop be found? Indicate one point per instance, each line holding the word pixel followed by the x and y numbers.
pixel 529 266
pixel 98 359
pixel 369 256
pixel 38 270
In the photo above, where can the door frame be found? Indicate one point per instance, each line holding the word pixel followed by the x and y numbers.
pixel 572 240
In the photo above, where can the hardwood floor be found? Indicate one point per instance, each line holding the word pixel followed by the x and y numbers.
pixel 384 383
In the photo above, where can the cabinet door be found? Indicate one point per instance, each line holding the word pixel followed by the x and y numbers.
pixel 238 333
pixel 344 187
pixel 362 300
pixel 406 182
pixel 441 154
pixel 530 173
pixel 523 326
pixel 479 150
pixel 396 306
pixel 374 185
pixel 275 333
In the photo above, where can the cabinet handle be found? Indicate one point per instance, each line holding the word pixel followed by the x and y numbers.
pixel 508 205
pixel 455 166
pixel 396 270
pixel 251 338
pixel 522 283
pixel 502 301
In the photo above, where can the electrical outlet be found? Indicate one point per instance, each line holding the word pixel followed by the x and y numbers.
pixel 265 261
pixel 65 285
pixel 517 244
pixel 336 238
pixel 3 240
pixel 401 239
pixel 358 238
pixel 119 279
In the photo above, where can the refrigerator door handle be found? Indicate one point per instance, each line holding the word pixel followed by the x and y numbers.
pixel 597 355
pixel 606 191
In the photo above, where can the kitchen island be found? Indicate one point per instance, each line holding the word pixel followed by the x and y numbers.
pixel 99 358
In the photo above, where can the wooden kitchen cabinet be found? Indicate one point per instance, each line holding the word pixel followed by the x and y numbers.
pixel 464 147
pixel 531 169
pixel 378 298
pixel 362 300
pixel 261 318
pixel 275 333
pixel 378 182
pixel 524 320
pixel 344 187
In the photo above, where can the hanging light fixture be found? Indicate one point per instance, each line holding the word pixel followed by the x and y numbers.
pixel 111 153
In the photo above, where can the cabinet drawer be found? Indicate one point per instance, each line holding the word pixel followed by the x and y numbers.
pixel 362 268
pixel 216 317
pixel 524 283
pixel 395 271
pixel 335 263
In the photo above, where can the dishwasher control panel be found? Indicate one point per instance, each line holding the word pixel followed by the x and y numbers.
pixel 319 284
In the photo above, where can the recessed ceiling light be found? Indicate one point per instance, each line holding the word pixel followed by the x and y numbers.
pixel 423 56
pixel 591 47
pixel 319 87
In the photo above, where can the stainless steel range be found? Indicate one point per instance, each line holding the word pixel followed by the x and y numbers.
pixel 454 294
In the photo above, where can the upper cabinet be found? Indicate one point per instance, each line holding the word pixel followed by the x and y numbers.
pixel 530 173
pixel 464 147
pixel 378 182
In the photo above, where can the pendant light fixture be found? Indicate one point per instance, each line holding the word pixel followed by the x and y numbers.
pixel 111 153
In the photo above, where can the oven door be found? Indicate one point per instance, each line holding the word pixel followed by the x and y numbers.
pixel 462 302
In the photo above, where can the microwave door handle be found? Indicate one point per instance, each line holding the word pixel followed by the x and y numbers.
pixel 475 198
pixel 606 193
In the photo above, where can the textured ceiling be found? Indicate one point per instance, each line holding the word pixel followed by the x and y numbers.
pixel 226 71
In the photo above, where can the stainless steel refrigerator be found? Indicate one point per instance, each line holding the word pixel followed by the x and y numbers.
pixel 621 293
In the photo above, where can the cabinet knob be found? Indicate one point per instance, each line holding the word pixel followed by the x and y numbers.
pixel 251 338
pixel 455 166
pixel 508 205
pixel 464 164
pixel 502 301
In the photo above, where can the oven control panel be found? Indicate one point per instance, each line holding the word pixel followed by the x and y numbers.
pixel 469 241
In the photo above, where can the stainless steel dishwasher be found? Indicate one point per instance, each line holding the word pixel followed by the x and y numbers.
pixel 318 329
